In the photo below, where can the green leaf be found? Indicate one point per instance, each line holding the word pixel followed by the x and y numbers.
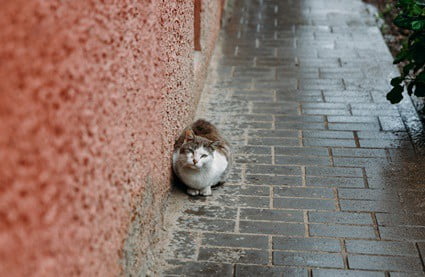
pixel 416 10
pixel 402 22
pixel 401 56
pixel 395 95
pixel 418 67
pixel 421 77
pixel 420 89
pixel 396 81
pixel 407 68
pixel 404 3
pixel 411 16
pixel 418 54
pixel 418 25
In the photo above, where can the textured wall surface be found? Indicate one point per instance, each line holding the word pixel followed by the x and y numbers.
pixel 210 12
pixel 92 96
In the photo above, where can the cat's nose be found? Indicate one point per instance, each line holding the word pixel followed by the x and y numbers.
pixel 195 161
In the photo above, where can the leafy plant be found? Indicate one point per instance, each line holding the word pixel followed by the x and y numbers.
pixel 412 54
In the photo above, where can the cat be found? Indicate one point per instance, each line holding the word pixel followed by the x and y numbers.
pixel 201 158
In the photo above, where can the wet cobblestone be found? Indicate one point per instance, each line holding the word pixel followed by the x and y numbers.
pixel 321 184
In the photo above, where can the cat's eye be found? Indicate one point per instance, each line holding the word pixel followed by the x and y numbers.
pixel 204 156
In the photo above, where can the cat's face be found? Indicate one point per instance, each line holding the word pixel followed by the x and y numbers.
pixel 196 156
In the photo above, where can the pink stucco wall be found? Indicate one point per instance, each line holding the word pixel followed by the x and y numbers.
pixel 92 96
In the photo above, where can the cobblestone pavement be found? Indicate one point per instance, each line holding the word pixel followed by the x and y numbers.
pixel 327 179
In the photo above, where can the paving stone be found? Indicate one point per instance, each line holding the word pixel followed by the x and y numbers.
pixel 272 271
pixel 334 171
pixel 319 83
pixel 299 160
pixel 251 117
pixel 274 141
pixel 374 106
pixel 345 99
pixel 235 240
pixel 319 62
pixel 306 244
pixel 372 206
pixel 255 125
pixel 367 194
pixel 227 255
pixel 240 201
pixel 342 231
pixel 354 127
pixel 184 245
pixel 347 93
pixel 302 151
pixel 247 159
pixel 383 135
pixel 272 133
pixel 358 152
pixel 300 125
pixel 360 162
pixel 299 98
pixel 243 190
pixel 307 259
pixel 328 134
pixel 345 273
pixel 256 97
pixel 205 224
pixel 326 111
pixel 381 143
pixel 324 106
pixel 385 263
pixel 340 218
pixel 305 192
pixel 390 248
pixel 255 72
pixel 271 228
pixel 329 142
pixel 274 180
pixel 353 119
pixel 239 84
pixel 388 182
pixel 407 274
pixel 403 233
pixel 278 107
pixel 400 219
pixel 299 118
pixel 275 84
pixel 194 269
pixel 271 215
pixel 305 204
pixel 212 211
pixel 259 150
pixel 335 182
pixel 271 169
pixel 392 123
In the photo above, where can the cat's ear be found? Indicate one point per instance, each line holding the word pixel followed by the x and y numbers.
pixel 215 144
pixel 189 136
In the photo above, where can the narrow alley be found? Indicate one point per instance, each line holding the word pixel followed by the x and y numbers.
pixel 327 179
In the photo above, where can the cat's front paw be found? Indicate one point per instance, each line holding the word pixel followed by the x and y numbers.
pixel 193 192
pixel 206 191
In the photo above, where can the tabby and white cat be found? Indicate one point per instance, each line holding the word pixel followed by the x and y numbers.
pixel 201 158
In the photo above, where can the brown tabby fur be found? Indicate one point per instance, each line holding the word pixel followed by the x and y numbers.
pixel 205 133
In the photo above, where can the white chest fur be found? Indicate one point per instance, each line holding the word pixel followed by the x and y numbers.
pixel 206 176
